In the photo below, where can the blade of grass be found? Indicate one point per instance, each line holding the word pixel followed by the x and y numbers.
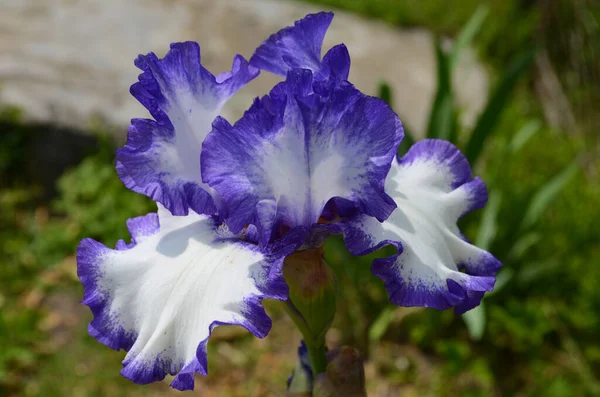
pixel 547 193
pixel 524 135
pixel 382 322
pixel 489 222
pixel 442 118
pixel 534 270
pixel 385 92
pixel 523 244
pixel 468 33
pixel 488 120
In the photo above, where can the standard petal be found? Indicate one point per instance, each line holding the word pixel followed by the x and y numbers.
pixel 435 265
pixel 295 150
pixel 161 158
pixel 335 64
pixel 297 46
pixel 161 297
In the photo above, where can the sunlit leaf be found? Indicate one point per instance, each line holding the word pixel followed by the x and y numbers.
pixel 475 321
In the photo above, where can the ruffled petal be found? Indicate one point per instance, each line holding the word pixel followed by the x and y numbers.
pixel 160 298
pixel 161 158
pixel 435 265
pixel 139 228
pixel 297 46
pixel 296 149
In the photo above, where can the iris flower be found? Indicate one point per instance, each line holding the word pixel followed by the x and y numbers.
pixel 313 157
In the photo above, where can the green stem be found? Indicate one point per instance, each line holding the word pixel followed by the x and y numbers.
pixel 316 348
pixel 318 357
pixel 291 310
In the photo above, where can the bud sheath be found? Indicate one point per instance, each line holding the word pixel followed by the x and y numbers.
pixel 311 302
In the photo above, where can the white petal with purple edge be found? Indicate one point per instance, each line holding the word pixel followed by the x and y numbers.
pixel 435 266
pixel 162 157
pixel 161 297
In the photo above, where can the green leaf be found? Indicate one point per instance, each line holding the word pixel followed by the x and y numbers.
pixel 475 321
pixel 524 135
pixel 547 193
pixel 442 119
pixel 488 121
pixel 382 322
pixel 468 32
pixel 489 224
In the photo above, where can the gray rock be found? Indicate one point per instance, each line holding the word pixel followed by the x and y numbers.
pixel 69 61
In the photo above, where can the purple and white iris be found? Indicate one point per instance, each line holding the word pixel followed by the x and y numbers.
pixel 235 200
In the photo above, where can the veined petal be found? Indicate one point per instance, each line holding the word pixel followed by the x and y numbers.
pixel 160 297
pixel 296 149
pixel 435 265
pixel 297 46
pixel 161 158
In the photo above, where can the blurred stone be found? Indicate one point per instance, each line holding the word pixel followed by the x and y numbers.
pixel 69 61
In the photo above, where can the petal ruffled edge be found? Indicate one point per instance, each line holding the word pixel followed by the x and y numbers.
pixel 108 327
pixel 161 158
pixel 474 268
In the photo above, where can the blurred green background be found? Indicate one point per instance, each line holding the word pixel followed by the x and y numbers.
pixel 536 147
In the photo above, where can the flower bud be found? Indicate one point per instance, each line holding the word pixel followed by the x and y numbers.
pixel 312 289
pixel 345 375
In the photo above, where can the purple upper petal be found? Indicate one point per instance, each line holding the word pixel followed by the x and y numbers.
pixel 295 149
pixel 297 46
pixel 335 64
pixel 435 265
pixel 161 158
